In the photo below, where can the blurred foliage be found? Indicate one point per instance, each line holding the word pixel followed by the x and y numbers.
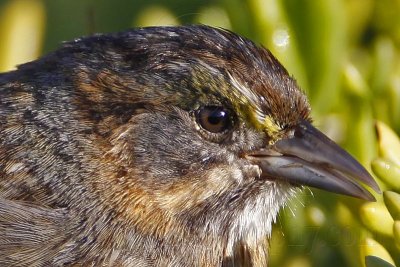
pixel 344 53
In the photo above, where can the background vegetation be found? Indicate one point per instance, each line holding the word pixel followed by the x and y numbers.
pixel 344 53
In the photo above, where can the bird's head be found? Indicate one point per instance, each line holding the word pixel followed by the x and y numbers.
pixel 204 131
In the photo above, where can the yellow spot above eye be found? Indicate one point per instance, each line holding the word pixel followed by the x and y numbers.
pixel 262 122
pixel 251 110
pixel 270 127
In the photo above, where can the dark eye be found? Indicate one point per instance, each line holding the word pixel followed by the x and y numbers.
pixel 214 119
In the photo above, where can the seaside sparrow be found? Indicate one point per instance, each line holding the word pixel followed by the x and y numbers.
pixel 160 146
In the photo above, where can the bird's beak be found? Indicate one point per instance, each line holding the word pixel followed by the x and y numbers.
pixel 311 158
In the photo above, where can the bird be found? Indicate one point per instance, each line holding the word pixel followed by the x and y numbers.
pixel 157 146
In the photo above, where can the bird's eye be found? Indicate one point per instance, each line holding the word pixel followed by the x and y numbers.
pixel 214 119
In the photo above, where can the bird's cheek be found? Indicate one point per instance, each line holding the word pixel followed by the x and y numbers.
pixel 193 192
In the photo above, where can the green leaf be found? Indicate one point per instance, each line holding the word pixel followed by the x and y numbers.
pixel 373 261
pixel 376 218
pixel 371 248
pixel 392 202
pixel 396 232
pixel 388 172
pixel 389 143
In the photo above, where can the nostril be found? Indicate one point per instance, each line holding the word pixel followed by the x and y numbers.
pixel 299 131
